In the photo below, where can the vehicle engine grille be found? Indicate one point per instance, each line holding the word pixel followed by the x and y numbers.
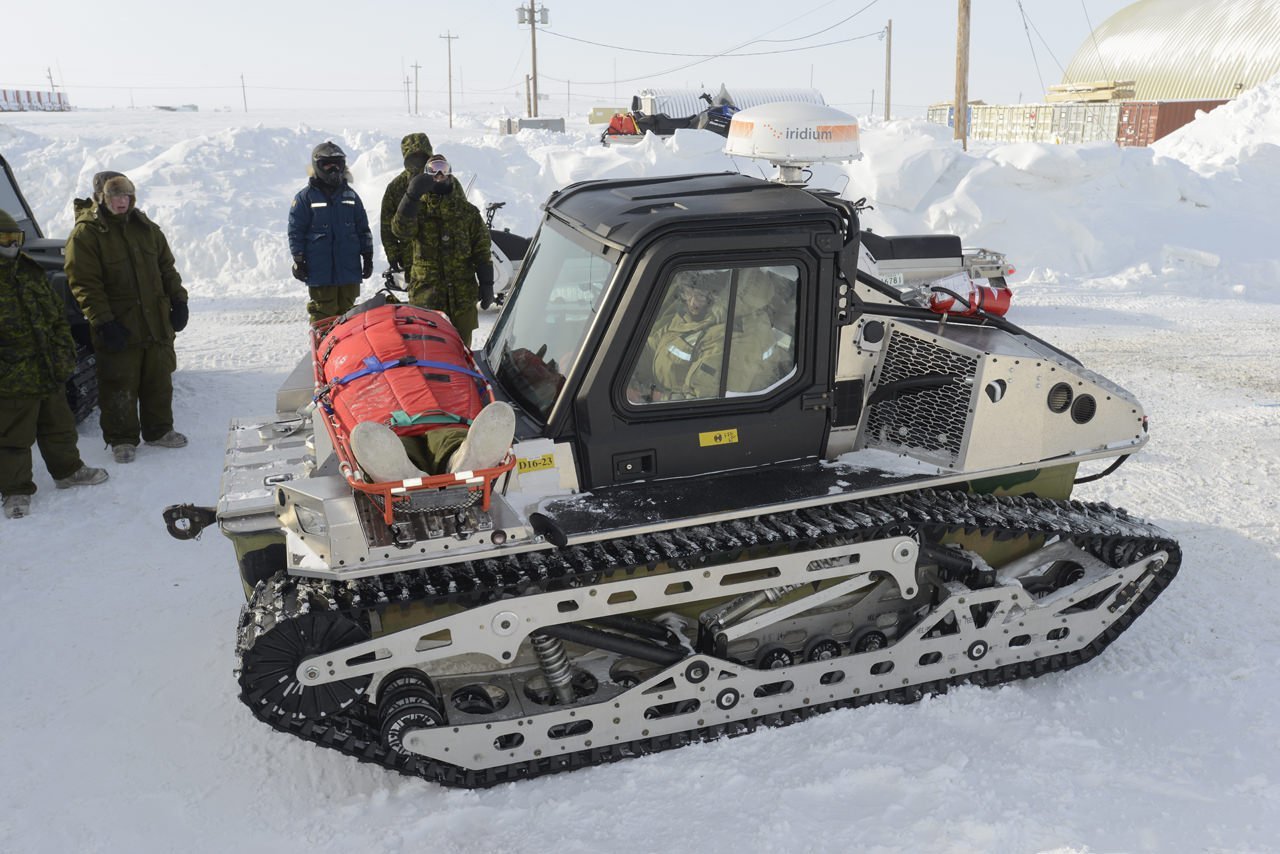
pixel 929 423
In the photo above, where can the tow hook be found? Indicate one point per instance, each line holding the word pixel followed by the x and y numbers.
pixel 187 521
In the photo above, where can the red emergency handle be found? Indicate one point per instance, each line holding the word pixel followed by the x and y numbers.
pixel 981 298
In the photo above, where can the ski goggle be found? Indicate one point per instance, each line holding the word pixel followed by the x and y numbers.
pixel 438 167
pixel 328 164
pixel 12 238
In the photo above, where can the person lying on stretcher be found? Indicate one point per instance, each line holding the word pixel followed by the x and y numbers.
pixel 386 456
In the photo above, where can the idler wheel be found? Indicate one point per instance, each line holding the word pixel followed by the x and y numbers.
pixel 269 669
pixel 409 709
pixel 822 649
pixel 871 641
pixel 774 657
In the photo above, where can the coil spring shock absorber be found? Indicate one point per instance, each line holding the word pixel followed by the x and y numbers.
pixel 554 662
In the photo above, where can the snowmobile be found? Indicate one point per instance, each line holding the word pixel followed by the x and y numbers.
pixel 632 126
pixel 508 250
pixel 749 484
pixel 82 386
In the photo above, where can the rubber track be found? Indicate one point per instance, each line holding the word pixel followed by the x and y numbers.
pixel 1109 533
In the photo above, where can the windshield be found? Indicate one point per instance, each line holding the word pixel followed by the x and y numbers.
pixel 540 335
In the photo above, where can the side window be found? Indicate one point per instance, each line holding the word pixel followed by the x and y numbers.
pixel 720 332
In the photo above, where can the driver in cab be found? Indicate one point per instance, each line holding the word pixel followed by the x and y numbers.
pixel 684 355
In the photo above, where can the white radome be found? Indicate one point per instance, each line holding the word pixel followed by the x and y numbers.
pixel 792 135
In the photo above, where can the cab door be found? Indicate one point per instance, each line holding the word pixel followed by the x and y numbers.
pixel 719 358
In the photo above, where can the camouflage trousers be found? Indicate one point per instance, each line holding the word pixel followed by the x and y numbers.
pixel 431 451
pixel 457 302
pixel 46 422
pixel 331 301
pixel 135 393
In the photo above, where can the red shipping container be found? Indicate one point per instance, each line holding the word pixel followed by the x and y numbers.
pixel 1143 122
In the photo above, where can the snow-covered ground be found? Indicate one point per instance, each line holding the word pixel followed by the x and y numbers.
pixel 1159 268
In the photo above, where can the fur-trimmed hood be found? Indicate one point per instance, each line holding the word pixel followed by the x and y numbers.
pixel 92 212
pixel 110 183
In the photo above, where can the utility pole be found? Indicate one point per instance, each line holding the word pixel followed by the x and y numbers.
pixel 415 68
pixel 528 103
pixel 531 16
pixel 888 65
pixel 962 76
pixel 449 37
pixel 407 106
pixel 244 96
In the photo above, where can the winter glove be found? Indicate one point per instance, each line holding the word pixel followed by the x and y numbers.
pixel 393 265
pixel 485 278
pixel 178 316
pixel 300 268
pixel 114 336
pixel 420 185
pixel 366 268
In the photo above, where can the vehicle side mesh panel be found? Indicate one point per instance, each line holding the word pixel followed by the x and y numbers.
pixel 928 423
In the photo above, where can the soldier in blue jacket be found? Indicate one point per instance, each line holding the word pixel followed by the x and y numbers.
pixel 329 236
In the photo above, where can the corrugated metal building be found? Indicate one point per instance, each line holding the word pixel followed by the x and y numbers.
pixel 20 100
pixel 1184 49
pixel 681 103
pixel 1182 56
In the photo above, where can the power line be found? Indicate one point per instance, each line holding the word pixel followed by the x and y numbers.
pixel 824 29
pixel 716 55
pixel 1046 44
pixel 708 58
pixel 726 52
pixel 729 51
pixel 1094 36
pixel 1031 45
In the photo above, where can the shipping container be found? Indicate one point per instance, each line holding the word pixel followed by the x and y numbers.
pixel 1054 123
pixel 1079 123
pixel 939 114
pixel 1143 122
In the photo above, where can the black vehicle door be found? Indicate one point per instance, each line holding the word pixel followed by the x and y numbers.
pixel 719 358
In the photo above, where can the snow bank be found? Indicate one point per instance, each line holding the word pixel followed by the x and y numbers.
pixel 122 727
pixel 1187 216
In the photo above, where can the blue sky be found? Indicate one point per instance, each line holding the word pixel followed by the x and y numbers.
pixel 326 53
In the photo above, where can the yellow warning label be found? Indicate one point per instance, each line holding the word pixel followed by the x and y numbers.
pixel 718 437
pixel 546 461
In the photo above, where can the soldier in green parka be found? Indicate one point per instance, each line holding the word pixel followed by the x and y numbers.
pixel 416 150
pixel 37 355
pixel 452 267
pixel 122 274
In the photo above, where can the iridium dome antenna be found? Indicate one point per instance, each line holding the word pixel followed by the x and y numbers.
pixel 793 136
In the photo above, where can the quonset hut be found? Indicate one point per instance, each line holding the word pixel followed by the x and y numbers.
pixel 1145 72
pixel 1184 49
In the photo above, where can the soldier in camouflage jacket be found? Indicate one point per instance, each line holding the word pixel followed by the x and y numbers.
pixel 416 150
pixel 37 355
pixel 452 267
pixel 122 273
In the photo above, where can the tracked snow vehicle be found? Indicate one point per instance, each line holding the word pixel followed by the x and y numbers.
pixel 821 497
